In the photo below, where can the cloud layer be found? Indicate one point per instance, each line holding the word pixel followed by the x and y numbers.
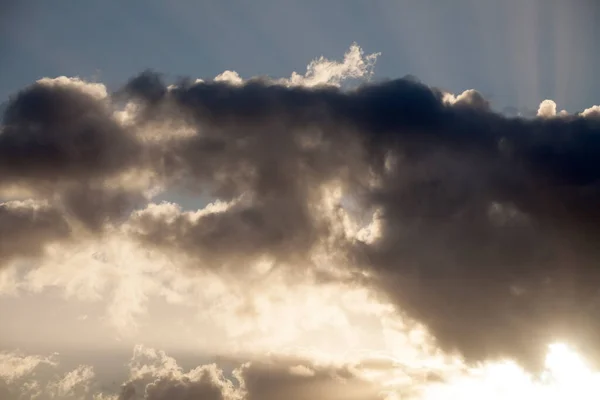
pixel 152 374
pixel 479 226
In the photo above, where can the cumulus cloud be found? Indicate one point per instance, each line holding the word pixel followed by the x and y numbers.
pixel 470 98
pixel 14 366
pixel 157 376
pixel 593 111
pixel 327 72
pixel 547 109
pixel 152 374
pixel 480 227
pixel 38 377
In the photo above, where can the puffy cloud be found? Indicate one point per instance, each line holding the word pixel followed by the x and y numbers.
pixel 156 376
pixel 14 366
pixel 38 377
pixel 60 132
pixel 326 72
pixel 153 375
pixel 74 384
pixel 470 98
pixel 231 77
pixel 547 109
pixel 97 90
pixel 478 226
pixel 593 111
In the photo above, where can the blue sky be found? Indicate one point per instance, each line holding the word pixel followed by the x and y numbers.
pixel 516 52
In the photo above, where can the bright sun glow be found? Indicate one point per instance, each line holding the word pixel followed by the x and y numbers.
pixel 566 376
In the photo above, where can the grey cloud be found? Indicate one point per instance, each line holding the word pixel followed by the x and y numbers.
pixel 297 379
pixel 206 385
pixel 442 257
pixel 53 133
pixel 26 228
pixel 264 378
pixel 95 206
pixel 185 389
pixel 59 142
pixel 486 281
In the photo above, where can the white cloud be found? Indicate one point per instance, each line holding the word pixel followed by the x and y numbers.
pixel 74 384
pixel 593 111
pixel 323 71
pixel 97 90
pixel 14 366
pixel 469 97
pixel 547 109
pixel 231 77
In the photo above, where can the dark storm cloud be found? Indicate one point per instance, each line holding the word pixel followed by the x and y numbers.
pixel 58 141
pixel 490 224
pixel 53 133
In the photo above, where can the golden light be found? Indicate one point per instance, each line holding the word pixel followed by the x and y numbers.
pixel 566 376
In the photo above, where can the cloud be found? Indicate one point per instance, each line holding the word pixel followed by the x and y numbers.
pixel 593 111
pixel 38 377
pixel 326 72
pixel 61 132
pixel 547 109
pixel 74 384
pixel 442 257
pixel 470 98
pixel 156 376
pixel 26 227
pixel 152 374
pixel 14 366
pixel 483 228
pixel 270 380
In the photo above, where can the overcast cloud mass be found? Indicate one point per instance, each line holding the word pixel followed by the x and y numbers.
pixel 325 199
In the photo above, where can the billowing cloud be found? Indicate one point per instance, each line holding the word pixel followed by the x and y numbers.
pixel 38 377
pixel 547 109
pixel 154 375
pixel 593 111
pixel 480 227
pixel 59 131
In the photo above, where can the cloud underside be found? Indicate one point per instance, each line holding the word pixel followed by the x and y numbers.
pixel 481 227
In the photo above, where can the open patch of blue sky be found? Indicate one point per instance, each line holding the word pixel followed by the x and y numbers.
pixel 515 52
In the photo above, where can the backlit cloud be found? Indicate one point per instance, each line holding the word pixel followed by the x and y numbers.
pixel 319 211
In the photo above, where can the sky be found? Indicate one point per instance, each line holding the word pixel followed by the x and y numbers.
pixel 516 52
pixel 266 200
